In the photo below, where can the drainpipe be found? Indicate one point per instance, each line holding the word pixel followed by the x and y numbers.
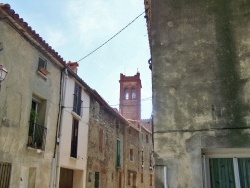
pixel 56 156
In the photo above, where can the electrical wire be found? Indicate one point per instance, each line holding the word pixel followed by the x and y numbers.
pixel 111 37
pixel 142 100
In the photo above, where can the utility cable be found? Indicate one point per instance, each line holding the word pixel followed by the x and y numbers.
pixel 145 99
pixel 111 37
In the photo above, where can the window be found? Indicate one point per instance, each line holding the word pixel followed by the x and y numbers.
pixel 126 94
pixel 131 154
pixel 101 137
pixel 5 169
pixel 37 130
pixel 132 178
pixel 227 170
pixel 118 153
pixel 89 177
pixel 77 105
pixel 42 63
pixel 151 180
pixel 74 138
pixel 97 177
pixel 117 124
pixel 133 93
pixel 146 138
pixel 129 177
pixel 42 66
pixel 141 177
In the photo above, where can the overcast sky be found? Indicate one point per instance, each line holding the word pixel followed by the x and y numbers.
pixel 76 27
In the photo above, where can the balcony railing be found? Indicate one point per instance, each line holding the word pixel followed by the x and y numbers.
pixel 77 106
pixel 37 136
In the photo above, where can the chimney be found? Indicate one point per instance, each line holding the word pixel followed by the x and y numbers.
pixel 73 66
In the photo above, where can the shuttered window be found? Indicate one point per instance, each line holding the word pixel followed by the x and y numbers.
pixel 97 179
pixel 229 172
pixel 222 173
pixel 5 170
pixel 244 172
pixel 118 153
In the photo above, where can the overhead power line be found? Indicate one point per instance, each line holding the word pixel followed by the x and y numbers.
pixel 142 100
pixel 111 37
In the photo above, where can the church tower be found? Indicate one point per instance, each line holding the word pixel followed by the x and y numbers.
pixel 130 96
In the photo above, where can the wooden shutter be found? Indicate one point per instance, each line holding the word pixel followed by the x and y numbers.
pixel 222 173
pixel 5 170
pixel 244 172
pixel 97 180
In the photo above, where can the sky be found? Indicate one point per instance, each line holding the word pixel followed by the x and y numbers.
pixel 74 28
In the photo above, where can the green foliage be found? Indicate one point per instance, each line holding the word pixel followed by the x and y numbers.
pixel 33 115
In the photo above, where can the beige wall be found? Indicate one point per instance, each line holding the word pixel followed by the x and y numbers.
pixel 21 60
pixel 77 164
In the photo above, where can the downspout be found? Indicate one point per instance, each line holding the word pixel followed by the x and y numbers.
pixel 60 130
pixel 56 156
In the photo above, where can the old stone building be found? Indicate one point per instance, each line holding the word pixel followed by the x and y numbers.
pixel 119 149
pixel 29 104
pixel 200 72
pixel 139 145
pixel 105 166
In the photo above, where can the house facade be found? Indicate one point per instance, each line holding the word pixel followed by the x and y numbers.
pixel 73 132
pixel 120 145
pixel 138 156
pixel 106 145
pixel 138 135
pixel 29 104
pixel 200 68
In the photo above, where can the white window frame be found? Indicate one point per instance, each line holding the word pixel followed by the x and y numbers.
pixel 233 153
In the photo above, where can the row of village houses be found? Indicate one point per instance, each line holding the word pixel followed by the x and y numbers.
pixel 55 131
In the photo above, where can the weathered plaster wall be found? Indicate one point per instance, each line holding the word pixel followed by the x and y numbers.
pixel 200 57
pixel 21 60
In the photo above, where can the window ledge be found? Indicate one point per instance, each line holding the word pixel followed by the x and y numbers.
pixel 76 116
pixel 73 158
pixel 36 150
pixel 42 75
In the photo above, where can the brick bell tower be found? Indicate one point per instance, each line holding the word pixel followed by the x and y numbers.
pixel 130 96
